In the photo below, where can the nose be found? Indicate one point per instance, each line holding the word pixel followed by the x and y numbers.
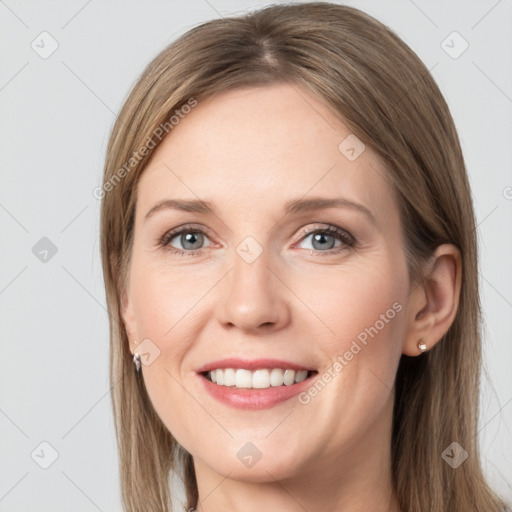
pixel 254 297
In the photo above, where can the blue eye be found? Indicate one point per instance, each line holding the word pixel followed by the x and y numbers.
pixel 324 239
pixel 192 239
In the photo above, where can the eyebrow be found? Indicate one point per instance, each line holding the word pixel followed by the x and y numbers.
pixel 293 206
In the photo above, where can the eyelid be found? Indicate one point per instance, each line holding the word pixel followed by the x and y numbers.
pixel 171 233
pixel 191 226
pixel 344 236
pixel 327 228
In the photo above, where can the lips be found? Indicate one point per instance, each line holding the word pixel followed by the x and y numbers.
pixel 254 398
pixel 252 364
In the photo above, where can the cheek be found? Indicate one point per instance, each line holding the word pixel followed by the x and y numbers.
pixel 161 299
pixel 361 312
pixel 165 306
pixel 362 301
pixel 362 323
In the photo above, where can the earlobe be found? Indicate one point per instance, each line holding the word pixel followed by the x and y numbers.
pixel 434 302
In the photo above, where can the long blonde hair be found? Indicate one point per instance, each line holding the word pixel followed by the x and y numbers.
pixel 383 92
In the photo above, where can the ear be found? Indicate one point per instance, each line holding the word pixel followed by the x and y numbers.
pixel 434 301
pixel 128 319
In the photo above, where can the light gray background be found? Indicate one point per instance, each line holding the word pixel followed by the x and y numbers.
pixel 56 115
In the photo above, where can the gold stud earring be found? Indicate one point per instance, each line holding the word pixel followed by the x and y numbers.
pixel 422 346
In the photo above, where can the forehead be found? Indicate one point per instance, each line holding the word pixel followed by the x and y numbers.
pixel 260 145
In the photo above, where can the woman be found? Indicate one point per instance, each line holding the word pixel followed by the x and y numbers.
pixel 289 252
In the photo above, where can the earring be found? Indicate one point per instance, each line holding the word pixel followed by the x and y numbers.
pixel 422 346
pixel 136 361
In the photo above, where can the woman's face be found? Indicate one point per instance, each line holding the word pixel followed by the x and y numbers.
pixel 268 278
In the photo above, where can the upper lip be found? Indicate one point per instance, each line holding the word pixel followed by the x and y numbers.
pixel 251 364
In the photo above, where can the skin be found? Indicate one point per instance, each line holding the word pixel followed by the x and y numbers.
pixel 248 152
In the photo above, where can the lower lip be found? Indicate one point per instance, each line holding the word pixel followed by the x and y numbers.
pixel 241 398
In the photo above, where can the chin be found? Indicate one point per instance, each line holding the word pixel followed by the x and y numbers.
pixel 262 471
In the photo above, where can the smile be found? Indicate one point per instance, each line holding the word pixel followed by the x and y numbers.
pixel 254 384
pixel 259 379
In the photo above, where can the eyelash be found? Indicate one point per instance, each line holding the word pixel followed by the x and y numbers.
pixel 343 236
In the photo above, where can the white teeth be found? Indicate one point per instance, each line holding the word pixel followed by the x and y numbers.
pixel 243 378
pixel 258 379
pixel 276 377
pixel 261 379
pixel 289 377
pixel 229 377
